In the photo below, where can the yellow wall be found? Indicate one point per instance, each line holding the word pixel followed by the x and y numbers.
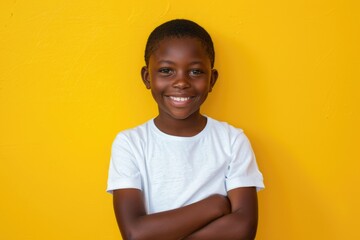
pixel 69 81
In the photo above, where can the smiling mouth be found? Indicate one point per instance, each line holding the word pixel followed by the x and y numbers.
pixel 180 99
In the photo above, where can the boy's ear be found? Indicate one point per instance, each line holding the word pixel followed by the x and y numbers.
pixel 145 77
pixel 214 77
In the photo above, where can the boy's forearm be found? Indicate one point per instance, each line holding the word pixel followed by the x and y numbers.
pixel 231 226
pixel 177 223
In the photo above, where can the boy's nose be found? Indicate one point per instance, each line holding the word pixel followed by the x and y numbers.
pixel 181 81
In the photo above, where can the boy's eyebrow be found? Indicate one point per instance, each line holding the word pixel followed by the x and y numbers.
pixel 166 61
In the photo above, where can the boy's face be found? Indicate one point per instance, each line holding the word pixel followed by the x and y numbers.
pixel 180 77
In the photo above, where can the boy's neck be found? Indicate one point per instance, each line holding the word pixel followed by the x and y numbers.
pixel 188 127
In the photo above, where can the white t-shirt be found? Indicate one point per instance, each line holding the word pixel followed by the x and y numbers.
pixel 176 171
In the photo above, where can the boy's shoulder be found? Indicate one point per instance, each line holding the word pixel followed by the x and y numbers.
pixel 139 131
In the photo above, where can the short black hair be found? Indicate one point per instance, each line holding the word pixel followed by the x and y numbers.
pixel 179 28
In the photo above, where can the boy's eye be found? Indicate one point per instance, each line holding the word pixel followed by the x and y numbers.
pixel 165 70
pixel 196 72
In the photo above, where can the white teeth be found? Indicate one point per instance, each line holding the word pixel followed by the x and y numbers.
pixel 180 99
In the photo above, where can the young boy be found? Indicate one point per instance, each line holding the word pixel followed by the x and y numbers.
pixel 183 175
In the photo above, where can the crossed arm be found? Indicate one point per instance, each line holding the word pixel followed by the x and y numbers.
pixel 216 217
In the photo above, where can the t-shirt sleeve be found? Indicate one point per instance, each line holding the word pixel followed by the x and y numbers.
pixel 243 170
pixel 123 170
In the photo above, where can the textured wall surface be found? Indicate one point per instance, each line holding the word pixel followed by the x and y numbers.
pixel 70 80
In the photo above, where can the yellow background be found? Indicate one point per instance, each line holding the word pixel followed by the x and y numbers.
pixel 70 80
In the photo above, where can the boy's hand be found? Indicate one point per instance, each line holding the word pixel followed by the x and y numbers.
pixel 240 223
